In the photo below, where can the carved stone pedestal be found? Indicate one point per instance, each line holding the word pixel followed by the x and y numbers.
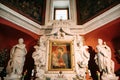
pixel 8 78
pixel 109 77
pixel 13 77
pixel 60 79
pixel 40 79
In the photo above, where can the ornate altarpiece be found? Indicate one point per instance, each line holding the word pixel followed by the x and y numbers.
pixel 60 54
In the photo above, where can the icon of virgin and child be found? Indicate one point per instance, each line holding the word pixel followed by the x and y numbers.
pixel 61 58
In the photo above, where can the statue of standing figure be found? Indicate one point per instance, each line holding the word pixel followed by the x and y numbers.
pixel 104 61
pixel 17 58
pixel 82 60
pixel 39 58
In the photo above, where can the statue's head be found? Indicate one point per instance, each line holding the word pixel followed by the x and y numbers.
pixel 20 40
pixel 36 47
pixel 100 41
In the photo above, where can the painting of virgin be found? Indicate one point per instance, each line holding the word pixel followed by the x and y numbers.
pixel 60 55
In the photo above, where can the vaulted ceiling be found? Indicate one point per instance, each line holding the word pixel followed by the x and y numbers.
pixel 35 9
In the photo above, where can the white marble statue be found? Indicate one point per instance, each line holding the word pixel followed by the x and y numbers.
pixel 104 61
pixel 42 50
pixel 17 58
pixel 82 60
pixel 39 58
pixel 36 55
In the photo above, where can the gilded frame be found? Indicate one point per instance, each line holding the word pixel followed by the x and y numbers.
pixel 55 63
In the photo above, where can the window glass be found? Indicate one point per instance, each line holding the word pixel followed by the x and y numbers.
pixel 61 14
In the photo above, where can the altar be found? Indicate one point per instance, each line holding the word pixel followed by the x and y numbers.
pixel 59 54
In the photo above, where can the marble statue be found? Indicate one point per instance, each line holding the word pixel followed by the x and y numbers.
pixel 17 58
pixel 36 55
pixel 104 61
pixel 82 60
pixel 42 50
pixel 39 58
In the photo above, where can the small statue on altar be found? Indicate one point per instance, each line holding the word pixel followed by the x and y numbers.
pixel 39 58
pixel 36 55
pixel 82 60
pixel 17 58
pixel 104 61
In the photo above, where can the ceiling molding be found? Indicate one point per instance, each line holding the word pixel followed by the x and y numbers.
pixel 104 18
pixel 19 19
pixel 97 22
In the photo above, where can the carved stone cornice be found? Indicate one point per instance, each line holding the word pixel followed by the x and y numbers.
pixel 69 26
pixel 18 19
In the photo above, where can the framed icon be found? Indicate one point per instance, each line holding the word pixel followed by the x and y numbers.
pixel 60 55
